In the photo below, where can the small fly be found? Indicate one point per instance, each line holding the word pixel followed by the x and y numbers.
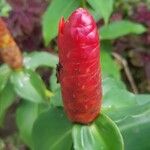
pixel 58 69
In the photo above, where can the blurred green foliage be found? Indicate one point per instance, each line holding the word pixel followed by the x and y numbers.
pixel 4 8
pixel 40 118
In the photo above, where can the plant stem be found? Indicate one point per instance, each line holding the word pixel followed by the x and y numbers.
pixel 83 3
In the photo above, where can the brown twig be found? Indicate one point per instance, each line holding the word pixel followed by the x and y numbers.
pixel 124 63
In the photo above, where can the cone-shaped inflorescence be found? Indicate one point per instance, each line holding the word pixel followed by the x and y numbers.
pixel 9 51
pixel 79 67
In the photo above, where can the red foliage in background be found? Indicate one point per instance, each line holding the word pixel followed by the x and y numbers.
pixel 24 22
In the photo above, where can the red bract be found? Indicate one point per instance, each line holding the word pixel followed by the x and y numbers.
pixel 79 67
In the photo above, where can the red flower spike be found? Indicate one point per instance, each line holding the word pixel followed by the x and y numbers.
pixel 79 67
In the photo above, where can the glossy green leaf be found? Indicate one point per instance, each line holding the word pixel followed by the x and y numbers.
pixel 131 114
pixel 28 85
pixel 120 28
pixel 55 11
pixel 7 97
pixel 142 99
pixel 103 134
pixel 109 83
pixel 26 114
pixel 52 131
pixel 38 59
pixel 118 103
pixel 135 126
pixel 116 99
pixel 4 76
pixel 121 98
pixel 105 7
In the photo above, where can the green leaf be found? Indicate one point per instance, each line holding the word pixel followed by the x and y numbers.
pixel 120 28
pixel 53 81
pixel 110 84
pixel 103 134
pixel 94 13
pixel 29 86
pixel 4 76
pixel 142 99
pixel 4 8
pixel 55 11
pixel 109 67
pixel 52 131
pixel 105 7
pixel 116 102
pixel 7 97
pixel 115 95
pixel 26 114
pixel 136 127
pixel 131 114
pixel 116 99
pixel 56 99
pixel 38 59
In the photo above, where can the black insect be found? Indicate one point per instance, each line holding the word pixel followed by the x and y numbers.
pixel 58 69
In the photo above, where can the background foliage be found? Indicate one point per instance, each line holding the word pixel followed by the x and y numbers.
pixel 32 94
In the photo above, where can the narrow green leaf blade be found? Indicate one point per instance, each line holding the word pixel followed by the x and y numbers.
pixel 120 28
pixel 103 134
pixel 7 97
pixel 29 86
pixel 4 76
pixel 52 131
pixel 55 11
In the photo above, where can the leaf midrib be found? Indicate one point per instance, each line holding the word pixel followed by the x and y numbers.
pixel 59 141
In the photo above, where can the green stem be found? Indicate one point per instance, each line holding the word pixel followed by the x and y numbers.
pixel 83 3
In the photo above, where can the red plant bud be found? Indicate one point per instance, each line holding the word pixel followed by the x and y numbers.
pixel 79 67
